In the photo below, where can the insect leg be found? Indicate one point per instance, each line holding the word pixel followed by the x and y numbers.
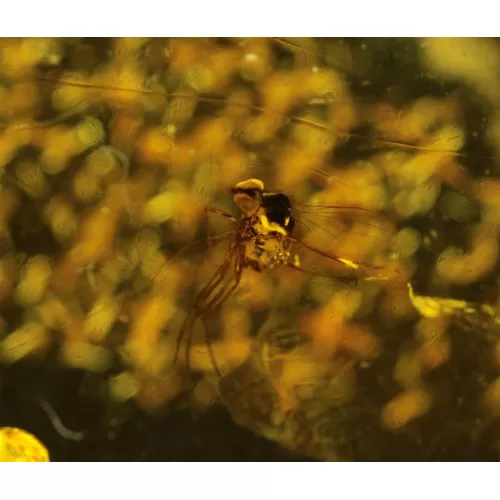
pixel 199 300
pixel 213 301
pixel 221 297
pixel 202 304
pixel 210 239
pixel 204 240
pixel 207 218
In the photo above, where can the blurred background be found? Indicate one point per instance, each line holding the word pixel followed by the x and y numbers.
pixel 110 151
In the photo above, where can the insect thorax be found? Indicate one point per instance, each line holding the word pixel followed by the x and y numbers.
pixel 266 243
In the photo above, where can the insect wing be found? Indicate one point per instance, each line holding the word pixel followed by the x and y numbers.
pixel 346 240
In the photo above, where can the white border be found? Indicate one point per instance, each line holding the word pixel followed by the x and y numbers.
pixel 334 18
pixel 253 481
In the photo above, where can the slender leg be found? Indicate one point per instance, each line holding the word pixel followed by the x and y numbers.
pixel 211 238
pixel 216 301
pixel 207 303
pixel 207 219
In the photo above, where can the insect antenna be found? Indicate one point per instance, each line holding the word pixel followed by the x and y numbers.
pixel 206 97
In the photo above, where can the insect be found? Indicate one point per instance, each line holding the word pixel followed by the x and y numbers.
pixel 263 239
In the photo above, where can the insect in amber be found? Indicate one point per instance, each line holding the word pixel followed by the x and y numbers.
pixel 264 238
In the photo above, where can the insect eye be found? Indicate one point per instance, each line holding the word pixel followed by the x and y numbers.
pixel 247 202
pixel 253 193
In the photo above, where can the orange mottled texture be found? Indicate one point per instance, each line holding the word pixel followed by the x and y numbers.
pixel 405 408
pixel 110 158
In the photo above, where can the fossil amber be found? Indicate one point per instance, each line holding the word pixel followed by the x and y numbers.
pixel 17 445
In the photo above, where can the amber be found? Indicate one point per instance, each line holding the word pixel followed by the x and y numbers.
pixel 123 260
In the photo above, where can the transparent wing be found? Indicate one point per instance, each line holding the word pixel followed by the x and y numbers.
pixel 335 219
pixel 353 239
